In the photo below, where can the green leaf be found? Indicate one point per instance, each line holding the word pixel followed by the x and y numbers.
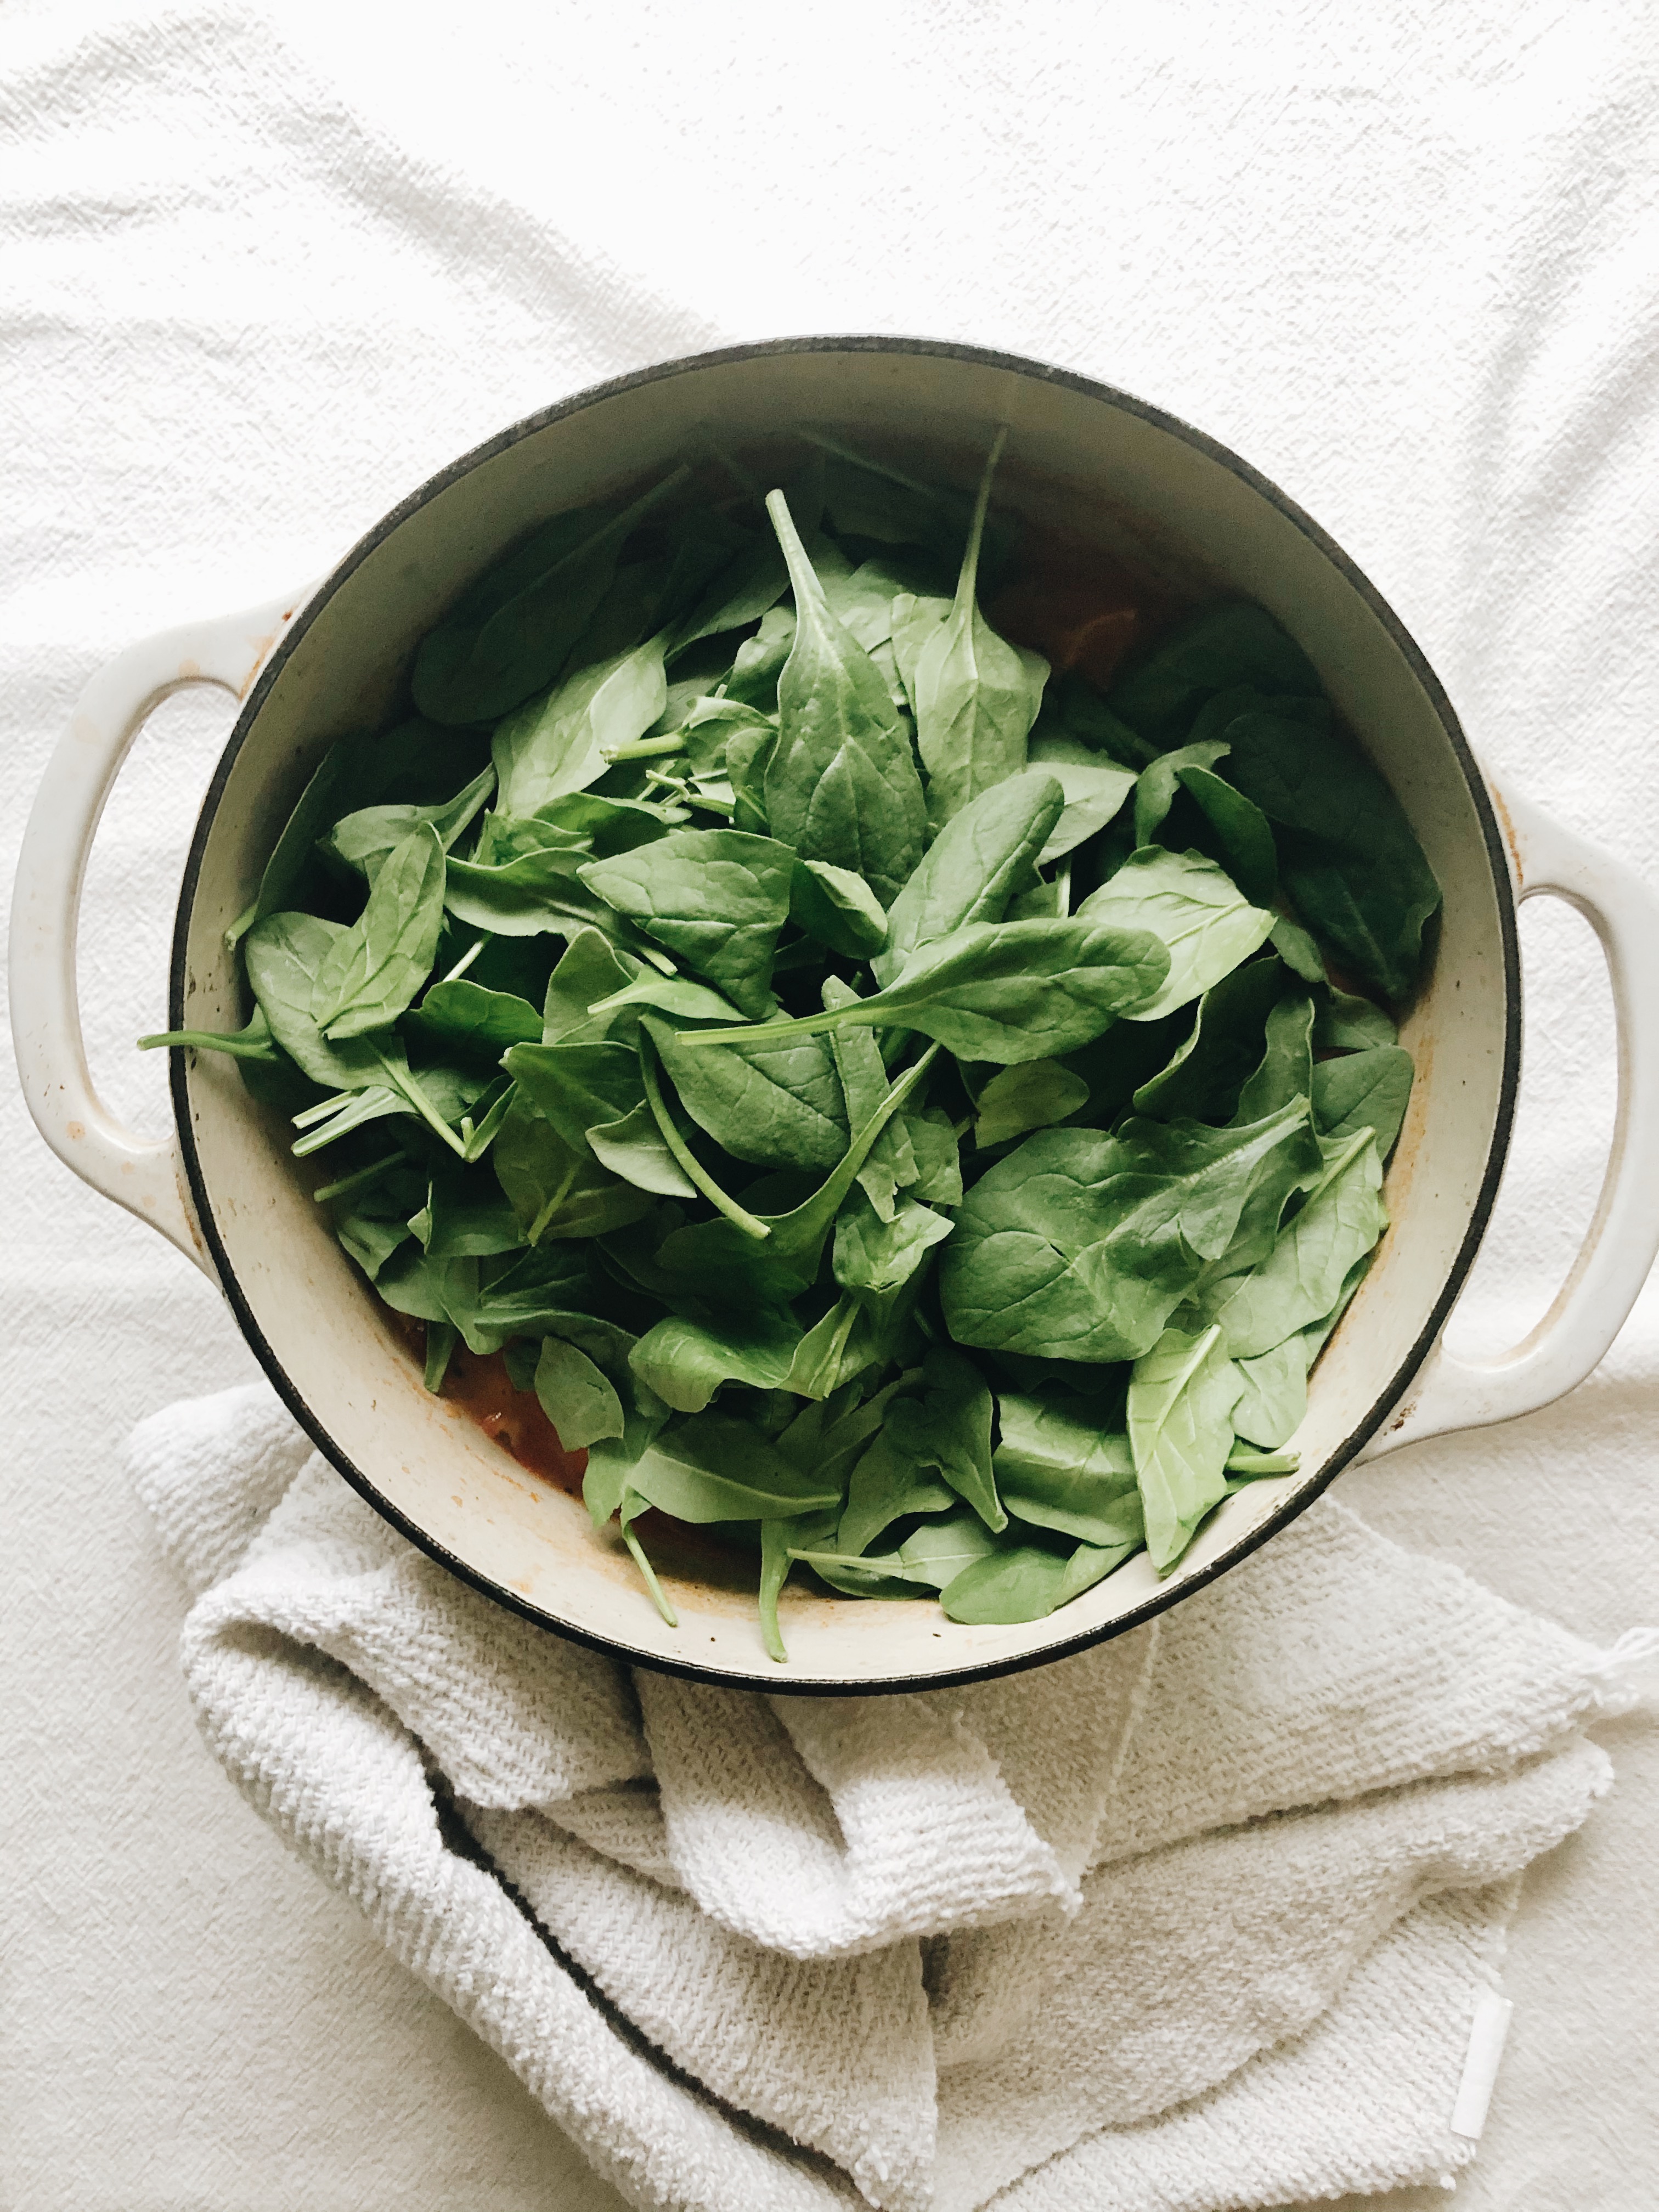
pixel 950 1428
pixel 841 782
pixel 1223 647
pixel 1080 1246
pixel 591 971
pixel 713 1466
pixel 975 696
pixel 1095 790
pixel 1345 1024
pixel 1350 859
pixel 744 591
pixel 1296 949
pixel 1302 1278
pixel 930 1556
pixel 465 1216
pixel 685 1362
pixel 716 898
pixel 464 1015
pixel 578 1086
pixel 772 1103
pixel 1368 1089
pixel 837 909
pixel 522 897
pixel 1181 1400
pixel 716 1261
pixel 1287 1070
pixel 975 865
pixel 362 841
pixel 509 634
pixel 255 1042
pixel 1242 831
pixel 634 1149
pixel 1057 1469
pixel 1024 1581
pixel 1033 1096
pixel 1197 913
pixel 285 954
pixel 560 743
pixel 669 995
pixel 575 1397
pixel 1155 791
pixel 778 1539
pixel 888 1484
pixel 1005 992
pixel 760 659
pixel 873 1257
pixel 1203 1080
pixel 372 970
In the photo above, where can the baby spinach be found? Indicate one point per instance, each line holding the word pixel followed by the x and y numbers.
pixel 575 1397
pixel 1080 1246
pixel 717 898
pixel 677 1022
pixel 841 782
pixel 975 696
pixel 1197 913
pixel 509 634
pixel 1182 1395
pixel 372 970
pixel 560 745
pixel 1007 992
pixel 772 1103
pixel 1032 1095
pixel 982 857
pixel 1368 1089
pixel 1301 1279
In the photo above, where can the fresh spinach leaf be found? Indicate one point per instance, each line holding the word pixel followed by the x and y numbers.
pixel 873 1257
pixel 463 1015
pixel 1057 1469
pixel 1026 1582
pixel 1241 830
pixel 774 1104
pixel 561 743
pixel 1286 1070
pixel 1080 1246
pixel 1032 1095
pixel 1367 1090
pixel 362 841
pixel 983 855
pixel 1346 1023
pixel 1181 1400
pixel 713 1467
pixel 510 633
pixel 975 696
pixel 372 971
pixel 578 1086
pixel 949 1428
pixel 1008 992
pixel 685 1362
pixel 838 909
pixel 1094 789
pixel 841 782
pixel 715 897
pixel 1222 647
pixel 1156 789
pixel 575 1397
pixel 1197 913
pixel 1302 1278
pixel 633 1148
pixel 1202 1082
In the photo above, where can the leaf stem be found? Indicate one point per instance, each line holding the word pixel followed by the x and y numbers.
pixel 361 1180
pixel 682 1153
pixel 644 1565
pixel 968 580
pixel 647 748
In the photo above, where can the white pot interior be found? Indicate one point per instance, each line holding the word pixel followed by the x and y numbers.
pixel 1112 474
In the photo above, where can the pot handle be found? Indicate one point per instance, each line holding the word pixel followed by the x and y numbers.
pixel 143 1174
pixel 1591 1306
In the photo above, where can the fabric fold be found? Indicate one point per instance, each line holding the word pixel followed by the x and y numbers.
pixel 1192 1921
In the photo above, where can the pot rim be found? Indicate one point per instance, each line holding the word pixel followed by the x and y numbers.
pixel 1480 1214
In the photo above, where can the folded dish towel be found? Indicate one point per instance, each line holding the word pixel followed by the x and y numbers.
pixel 1211 1916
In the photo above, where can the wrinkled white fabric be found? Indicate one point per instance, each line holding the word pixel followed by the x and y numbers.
pixel 941 1941
pixel 262 270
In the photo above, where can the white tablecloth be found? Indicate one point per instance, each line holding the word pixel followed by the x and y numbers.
pixel 264 270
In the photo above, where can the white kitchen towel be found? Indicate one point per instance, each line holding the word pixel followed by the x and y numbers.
pixel 1198 1919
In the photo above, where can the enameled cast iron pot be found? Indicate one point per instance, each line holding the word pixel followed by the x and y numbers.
pixel 332 660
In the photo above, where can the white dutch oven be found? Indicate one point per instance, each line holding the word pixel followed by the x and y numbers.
pixel 331 659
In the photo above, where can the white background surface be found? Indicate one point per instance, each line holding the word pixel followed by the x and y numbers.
pixel 264 271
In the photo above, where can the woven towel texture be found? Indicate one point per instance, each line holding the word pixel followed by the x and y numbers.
pixel 1209 1906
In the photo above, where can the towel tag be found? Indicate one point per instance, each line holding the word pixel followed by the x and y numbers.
pixel 1491 2026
